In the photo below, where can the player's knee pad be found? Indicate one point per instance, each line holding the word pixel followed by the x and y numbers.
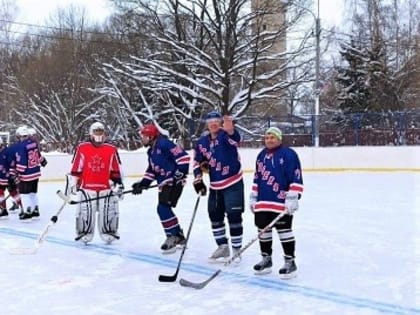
pixel 85 217
pixel 108 219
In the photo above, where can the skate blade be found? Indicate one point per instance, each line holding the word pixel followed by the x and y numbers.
pixel 84 239
pixel 288 275
pixel 169 251
pixel 26 220
pixel 220 260
pixel 265 271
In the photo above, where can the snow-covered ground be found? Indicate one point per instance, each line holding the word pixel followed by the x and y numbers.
pixel 358 252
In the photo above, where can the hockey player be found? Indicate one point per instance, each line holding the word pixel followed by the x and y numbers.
pixel 276 188
pixel 9 153
pixel 28 173
pixel 217 153
pixel 168 164
pixel 4 174
pixel 95 163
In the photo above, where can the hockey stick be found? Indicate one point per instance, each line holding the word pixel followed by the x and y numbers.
pixel 200 285
pixel 172 278
pixel 5 198
pixel 41 237
pixel 73 202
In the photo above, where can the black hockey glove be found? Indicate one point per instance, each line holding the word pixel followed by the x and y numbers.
pixel 200 187
pixel 13 182
pixel 138 187
pixel 43 161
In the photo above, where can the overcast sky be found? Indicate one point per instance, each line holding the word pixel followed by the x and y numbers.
pixel 37 11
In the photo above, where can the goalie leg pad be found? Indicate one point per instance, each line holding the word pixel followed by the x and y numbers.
pixel 85 217
pixel 108 218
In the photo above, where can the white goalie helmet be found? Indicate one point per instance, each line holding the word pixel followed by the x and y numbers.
pixel 97 132
pixel 22 131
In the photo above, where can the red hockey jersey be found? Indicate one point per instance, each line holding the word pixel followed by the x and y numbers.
pixel 95 166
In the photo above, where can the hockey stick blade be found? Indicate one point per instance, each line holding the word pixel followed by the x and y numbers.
pixel 63 196
pixel 23 250
pixel 42 236
pixel 172 278
pixel 165 278
pixel 199 285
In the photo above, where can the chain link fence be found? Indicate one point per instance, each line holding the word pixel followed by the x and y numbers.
pixel 364 129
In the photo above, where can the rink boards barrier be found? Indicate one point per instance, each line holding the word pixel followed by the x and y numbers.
pixel 322 159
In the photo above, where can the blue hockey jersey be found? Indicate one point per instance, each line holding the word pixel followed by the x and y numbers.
pixel 276 172
pixel 165 158
pixel 28 160
pixel 222 157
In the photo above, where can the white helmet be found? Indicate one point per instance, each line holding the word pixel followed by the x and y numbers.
pixel 22 131
pixel 31 131
pixel 93 132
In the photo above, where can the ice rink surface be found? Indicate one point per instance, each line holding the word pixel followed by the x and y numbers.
pixel 358 252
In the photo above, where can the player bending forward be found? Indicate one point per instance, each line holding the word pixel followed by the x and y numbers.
pixel 96 163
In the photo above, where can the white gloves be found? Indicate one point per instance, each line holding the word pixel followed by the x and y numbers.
pixel 252 201
pixel 291 202
pixel 72 185
pixel 119 191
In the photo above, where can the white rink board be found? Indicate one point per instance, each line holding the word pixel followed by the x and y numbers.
pixel 404 158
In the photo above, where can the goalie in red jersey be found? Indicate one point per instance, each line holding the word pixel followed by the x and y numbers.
pixel 95 166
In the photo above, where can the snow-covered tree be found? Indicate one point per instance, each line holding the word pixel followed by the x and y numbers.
pixel 202 55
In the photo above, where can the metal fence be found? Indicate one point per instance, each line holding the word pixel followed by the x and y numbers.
pixel 373 129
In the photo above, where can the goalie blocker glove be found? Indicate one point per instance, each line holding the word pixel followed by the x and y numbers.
pixel 118 188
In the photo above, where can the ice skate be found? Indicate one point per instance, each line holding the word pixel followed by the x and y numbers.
pixel 181 240
pixel 221 254
pixel 14 207
pixel 172 242
pixel 289 269
pixel 264 266
pixel 84 238
pixel 3 214
pixel 110 237
pixel 26 216
pixel 35 213
pixel 235 252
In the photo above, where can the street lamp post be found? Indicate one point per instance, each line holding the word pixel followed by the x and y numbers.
pixel 317 90
pixel 317 87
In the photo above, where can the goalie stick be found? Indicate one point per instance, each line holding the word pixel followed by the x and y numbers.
pixel 73 202
pixel 201 285
pixel 41 237
pixel 172 278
